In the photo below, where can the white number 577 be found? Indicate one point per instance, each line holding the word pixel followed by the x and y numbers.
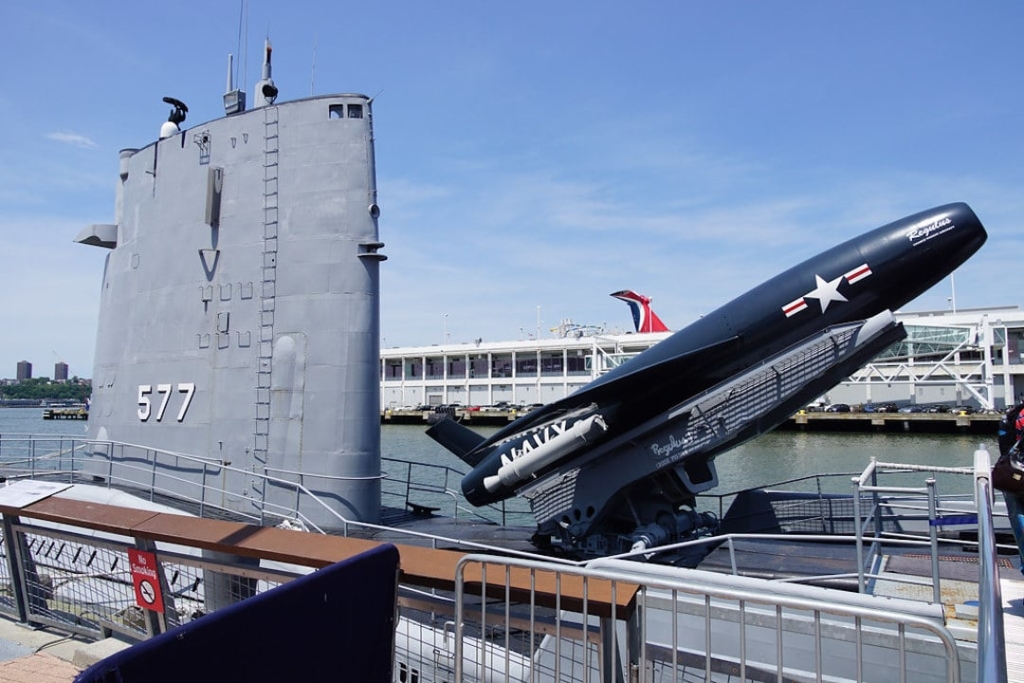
pixel 164 390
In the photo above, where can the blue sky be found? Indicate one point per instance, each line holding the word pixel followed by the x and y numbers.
pixel 537 154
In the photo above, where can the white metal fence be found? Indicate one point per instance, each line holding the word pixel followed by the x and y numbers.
pixel 692 625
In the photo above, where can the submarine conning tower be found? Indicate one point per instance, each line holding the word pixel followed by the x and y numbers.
pixel 240 310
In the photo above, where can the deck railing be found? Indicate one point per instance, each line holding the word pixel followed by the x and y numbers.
pixel 77 581
pixel 692 625
pixel 405 484
pixel 39 582
pixel 561 622
pixel 122 466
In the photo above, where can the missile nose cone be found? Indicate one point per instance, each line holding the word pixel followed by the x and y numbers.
pixel 974 234
pixel 950 234
pixel 918 251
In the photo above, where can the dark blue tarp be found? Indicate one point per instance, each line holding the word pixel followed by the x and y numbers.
pixel 336 624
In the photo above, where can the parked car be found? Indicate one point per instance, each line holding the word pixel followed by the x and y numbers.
pixel 887 408
pixel 838 408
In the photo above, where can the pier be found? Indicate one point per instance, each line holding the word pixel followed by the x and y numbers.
pixel 933 423
pixel 952 423
pixel 73 413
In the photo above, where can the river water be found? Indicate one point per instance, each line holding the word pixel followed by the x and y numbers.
pixel 777 456
pixel 771 458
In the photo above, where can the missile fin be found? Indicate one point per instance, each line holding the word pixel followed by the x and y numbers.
pixel 459 440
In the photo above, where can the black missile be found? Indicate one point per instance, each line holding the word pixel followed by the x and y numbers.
pixel 878 271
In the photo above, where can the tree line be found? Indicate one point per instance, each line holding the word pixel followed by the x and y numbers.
pixel 43 389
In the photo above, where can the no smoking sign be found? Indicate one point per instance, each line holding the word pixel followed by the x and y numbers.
pixel 145 580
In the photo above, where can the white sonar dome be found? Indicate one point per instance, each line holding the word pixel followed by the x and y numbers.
pixel 168 129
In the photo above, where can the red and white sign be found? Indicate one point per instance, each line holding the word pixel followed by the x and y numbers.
pixel 145 580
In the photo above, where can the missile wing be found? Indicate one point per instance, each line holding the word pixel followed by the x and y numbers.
pixel 472 448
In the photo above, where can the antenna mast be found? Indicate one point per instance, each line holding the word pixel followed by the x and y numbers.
pixel 312 70
pixel 243 40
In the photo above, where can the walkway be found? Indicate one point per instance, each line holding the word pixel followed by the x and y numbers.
pixel 46 655
pixel 1013 627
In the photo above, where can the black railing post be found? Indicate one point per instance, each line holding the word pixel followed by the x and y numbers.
pixel 11 541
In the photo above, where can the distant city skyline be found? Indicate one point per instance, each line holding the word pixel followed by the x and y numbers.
pixel 61 371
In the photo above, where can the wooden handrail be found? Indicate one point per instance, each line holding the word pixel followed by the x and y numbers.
pixel 424 567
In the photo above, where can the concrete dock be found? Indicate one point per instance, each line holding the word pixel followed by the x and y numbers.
pixel 940 423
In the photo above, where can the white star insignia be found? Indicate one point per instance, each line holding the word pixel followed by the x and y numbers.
pixel 826 291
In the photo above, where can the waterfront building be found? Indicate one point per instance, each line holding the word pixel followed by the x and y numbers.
pixel 512 372
pixel 24 370
pixel 972 357
pixel 968 357
pixel 60 371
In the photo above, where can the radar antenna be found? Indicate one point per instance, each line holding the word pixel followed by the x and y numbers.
pixel 179 112
pixel 176 117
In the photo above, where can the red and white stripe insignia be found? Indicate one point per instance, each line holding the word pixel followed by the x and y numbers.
pixel 794 307
pixel 858 273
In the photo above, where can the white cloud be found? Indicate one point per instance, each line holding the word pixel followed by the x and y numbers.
pixel 73 139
